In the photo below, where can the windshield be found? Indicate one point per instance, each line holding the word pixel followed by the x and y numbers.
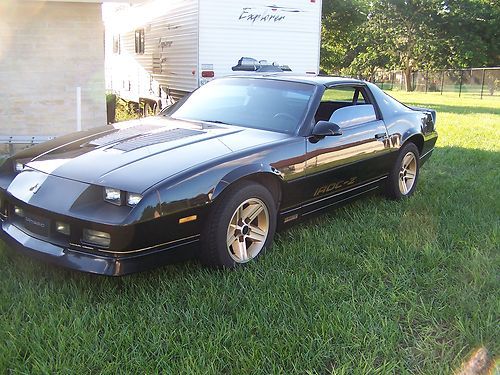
pixel 252 103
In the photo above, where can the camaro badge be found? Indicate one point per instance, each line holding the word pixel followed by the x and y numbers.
pixel 35 188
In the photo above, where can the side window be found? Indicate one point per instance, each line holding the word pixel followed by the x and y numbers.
pixel 353 115
pixel 342 94
pixel 338 99
pixel 139 41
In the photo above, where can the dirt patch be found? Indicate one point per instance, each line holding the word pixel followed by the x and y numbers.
pixel 479 363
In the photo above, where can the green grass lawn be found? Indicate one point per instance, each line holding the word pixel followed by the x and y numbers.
pixel 375 287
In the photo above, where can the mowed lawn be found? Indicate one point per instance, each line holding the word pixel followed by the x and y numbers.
pixel 374 287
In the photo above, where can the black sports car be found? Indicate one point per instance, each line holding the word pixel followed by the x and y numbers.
pixel 220 169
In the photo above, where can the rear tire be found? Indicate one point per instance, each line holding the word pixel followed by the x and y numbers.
pixel 403 177
pixel 240 227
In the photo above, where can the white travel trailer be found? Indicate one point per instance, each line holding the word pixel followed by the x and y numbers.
pixel 162 49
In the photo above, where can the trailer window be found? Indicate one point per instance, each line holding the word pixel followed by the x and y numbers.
pixel 254 103
pixel 139 41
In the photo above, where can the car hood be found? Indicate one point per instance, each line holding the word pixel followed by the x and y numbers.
pixel 136 155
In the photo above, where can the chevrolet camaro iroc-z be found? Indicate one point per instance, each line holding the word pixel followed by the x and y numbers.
pixel 211 176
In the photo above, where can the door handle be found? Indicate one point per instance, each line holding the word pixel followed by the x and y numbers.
pixel 381 136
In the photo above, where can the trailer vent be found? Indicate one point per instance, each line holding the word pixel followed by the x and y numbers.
pixel 155 138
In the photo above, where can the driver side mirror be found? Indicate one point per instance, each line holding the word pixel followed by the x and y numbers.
pixel 325 128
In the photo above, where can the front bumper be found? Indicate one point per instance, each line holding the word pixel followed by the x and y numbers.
pixel 112 265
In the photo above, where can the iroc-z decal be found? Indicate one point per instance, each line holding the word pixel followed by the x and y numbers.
pixel 335 186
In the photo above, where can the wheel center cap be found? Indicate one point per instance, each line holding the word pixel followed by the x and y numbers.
pixel 245 230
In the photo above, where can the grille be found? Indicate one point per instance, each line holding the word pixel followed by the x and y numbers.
pixel 32 223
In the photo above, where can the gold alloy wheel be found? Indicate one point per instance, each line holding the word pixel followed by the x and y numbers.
pixel 407 173
pixel 247 231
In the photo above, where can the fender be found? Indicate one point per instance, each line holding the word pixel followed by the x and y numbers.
pixel 245 171
pixel 427 119
pixel 414 135
pixel 400 129
pixel 195 193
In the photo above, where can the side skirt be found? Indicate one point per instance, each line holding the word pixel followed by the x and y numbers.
pixel 324 203
pixel 425 157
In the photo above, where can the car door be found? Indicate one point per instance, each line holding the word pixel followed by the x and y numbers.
pixel 342 166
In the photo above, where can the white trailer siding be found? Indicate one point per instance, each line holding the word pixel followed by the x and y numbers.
pixel 283 31
pixel 173 42
pixel 130 73
pixel 183 38
pixel 170 57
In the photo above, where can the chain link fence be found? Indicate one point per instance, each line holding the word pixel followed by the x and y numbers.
pixel 477 82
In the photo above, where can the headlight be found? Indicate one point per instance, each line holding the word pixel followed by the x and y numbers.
pixel 112 195
pixel 133 199
pixel 95 237
pixel 19 167
pixel 118 197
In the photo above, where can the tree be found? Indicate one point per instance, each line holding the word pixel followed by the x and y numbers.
pixel 361 36
pixel 411 33
pixel 475 29
pixel 340 24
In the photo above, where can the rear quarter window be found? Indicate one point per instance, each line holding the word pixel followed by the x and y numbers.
pixel 343 94
pixel 387 104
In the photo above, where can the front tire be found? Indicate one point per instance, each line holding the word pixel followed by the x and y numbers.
pixel 240 227
pixel 404 175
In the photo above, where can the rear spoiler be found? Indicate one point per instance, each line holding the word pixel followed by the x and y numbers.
pixel 426 110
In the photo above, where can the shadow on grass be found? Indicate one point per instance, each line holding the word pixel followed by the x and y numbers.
pixel 460 109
